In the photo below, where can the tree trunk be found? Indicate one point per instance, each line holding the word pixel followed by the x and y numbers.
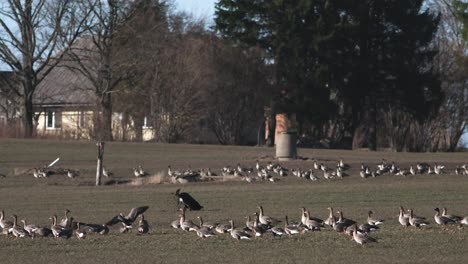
pixel 271 124
pixel 106 111
pixel 28 118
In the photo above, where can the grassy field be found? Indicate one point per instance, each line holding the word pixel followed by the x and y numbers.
pixel 37 199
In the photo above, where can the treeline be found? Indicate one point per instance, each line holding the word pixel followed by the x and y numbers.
pixel 354 73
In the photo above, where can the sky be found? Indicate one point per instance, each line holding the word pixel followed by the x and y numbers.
pixel 200 8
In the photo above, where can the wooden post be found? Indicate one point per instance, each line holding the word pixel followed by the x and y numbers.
pixel 100 158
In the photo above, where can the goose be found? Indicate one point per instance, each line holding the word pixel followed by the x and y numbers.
pixel 429 171
pixel 136 172
pixel 402 218
pixel 56 229
pixel 106 173
pixel 266 220
pixel 416 221
pixel 291 229
pixel 249 223
pixel 29 228
pixel 362 239
pixel 339 173
pixel 327 175
pixel 367 228
pixel 237 233
pixel 186 225
pixel 422 167
pixel 455 218
pixel 312 176
pixel 176 223
pixel 464 221
pixel 17 230
pixel 127 221
pixel 345 221
pixel 80 233
pixel 143 226
pixel 141 171
pixel 316 166
pixel 257 165
pixel 373 221
pixel 442 220
pixel 206 224
pixel 204 232
pixel 64 222
pixel 342 165
pixel 258 228
pixel 42 232
pixel 187 201
pixel 5 224
pixel 338 227
pixel 71 174
pixel 222 228
pixel 312 224
pixel 331 218
pixel 412 171
pixel 277 231
pixel 363 174
pixel 210 173
pixel 438 169
pixel 96 228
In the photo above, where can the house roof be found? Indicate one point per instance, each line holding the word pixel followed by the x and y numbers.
pixel 65 85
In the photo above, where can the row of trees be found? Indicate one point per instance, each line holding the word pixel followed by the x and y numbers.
pixel 355 73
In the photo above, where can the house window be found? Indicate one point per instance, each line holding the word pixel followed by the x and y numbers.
pixel 50 119
pixel 53 119
pixel 146 124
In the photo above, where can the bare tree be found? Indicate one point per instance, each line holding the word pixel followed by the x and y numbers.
pixel 452 64
pixel 95 58
pixel 31 34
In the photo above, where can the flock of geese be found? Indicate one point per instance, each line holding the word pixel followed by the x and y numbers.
pixel 263 224
pixel 67 227
pixel 272 172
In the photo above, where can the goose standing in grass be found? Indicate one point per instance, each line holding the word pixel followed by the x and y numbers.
pixel 402 218
pixel 249 223
pixel 17 230
pixel 5 224
pixel 31 229
pixel 186 225
pixel 143 226
pixel 345 221
pixel 331 218
pixel 311 224
pixel 127 221
pixel 455 218
pixel 265 219
pixel 416 221
pixel 442 220
pixel 238 234
pixel 373 221
pixel 64 222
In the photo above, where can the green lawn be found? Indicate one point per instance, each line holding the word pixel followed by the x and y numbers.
pixel 37 199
